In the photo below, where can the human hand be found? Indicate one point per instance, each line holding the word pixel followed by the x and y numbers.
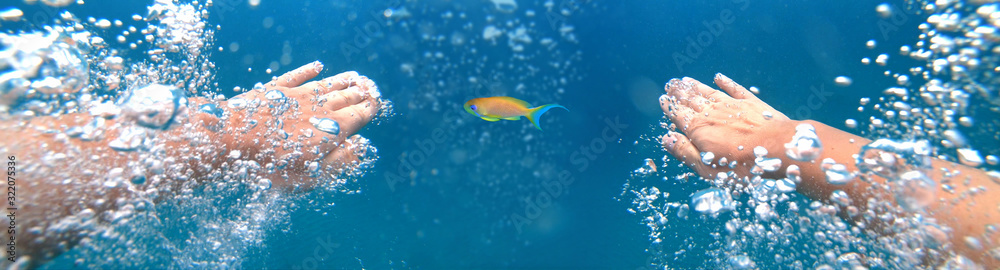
pixel 286 127
pixel 728 126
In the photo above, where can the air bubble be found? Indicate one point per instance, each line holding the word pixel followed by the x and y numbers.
pixel 793 173
pixel 92 131
pixel 274 95
pixel 759 151
pixel 785 185
pixel 992 160
pixel 237 103
pixel 138 180
pixel 130 139
pixel 155 106
pixel 264 184
pixel 970 157
pixel 851 123
pixel 764 212
pixel 973 243
pixel 805 144
pixel 836 174
pixel 11 14
pixel 210 108
pixel 843 81
pixel 326 125
pixel 712 201
pixel 840 197
pixel 768 164
pixel 707 158
pixel 851 260
pixel 914 190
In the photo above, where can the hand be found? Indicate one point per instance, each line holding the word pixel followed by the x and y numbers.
pixel 728 126
pixel 279 132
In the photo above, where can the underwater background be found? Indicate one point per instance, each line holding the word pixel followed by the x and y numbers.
pixel 452 191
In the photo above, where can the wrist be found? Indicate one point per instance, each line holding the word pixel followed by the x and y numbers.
pixel 778 134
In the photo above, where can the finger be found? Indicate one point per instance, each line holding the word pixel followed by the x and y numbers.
pixel 343 155
pixel 681 148
pixel 698 103
pixel 683 117
pixel 734 89
pixel 678 89
pixel 683 93
pixel 352 118
pixel 666 102
pixel 337 100
pixel 333 83
pixel 299 75
pixel 705 91
pixel 347 155
pixel 342 160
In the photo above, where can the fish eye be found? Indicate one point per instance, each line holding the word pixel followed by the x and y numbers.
pixel 473 107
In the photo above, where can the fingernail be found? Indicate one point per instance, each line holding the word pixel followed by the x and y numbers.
pixel 688 82
pixel 671 84
pixel 317 66
pixel 719 76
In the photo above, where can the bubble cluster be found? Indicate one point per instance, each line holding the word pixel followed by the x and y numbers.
pixel 181 199
pixel 942 107
pixel 155 106
pixel 39 65
pixel 805 144
pixel 712 201
pixel 940 99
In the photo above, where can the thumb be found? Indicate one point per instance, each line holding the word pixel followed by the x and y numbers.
pixel 681 148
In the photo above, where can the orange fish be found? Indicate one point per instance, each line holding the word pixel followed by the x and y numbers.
pixel 507 108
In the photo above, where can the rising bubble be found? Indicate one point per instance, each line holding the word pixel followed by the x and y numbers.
pixel 155 106
pixel 712 201
pixel 326 125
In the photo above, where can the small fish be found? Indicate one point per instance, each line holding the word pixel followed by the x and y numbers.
pixel 507 108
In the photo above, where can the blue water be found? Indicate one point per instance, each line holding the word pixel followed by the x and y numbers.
pixel 457 211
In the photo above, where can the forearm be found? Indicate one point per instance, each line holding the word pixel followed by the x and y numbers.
pixel 839 146
pixel 967 211
pixel 60 179
pixel 78 179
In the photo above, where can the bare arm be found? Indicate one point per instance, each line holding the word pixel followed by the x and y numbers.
pixel 67 185
pixel 966 212
pixel 723 124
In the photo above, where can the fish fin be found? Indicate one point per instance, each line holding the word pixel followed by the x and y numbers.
pixel 535 113
pixel 491 119
pixel 513 118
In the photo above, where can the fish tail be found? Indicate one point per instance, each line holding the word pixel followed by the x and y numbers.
pixel 534 113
